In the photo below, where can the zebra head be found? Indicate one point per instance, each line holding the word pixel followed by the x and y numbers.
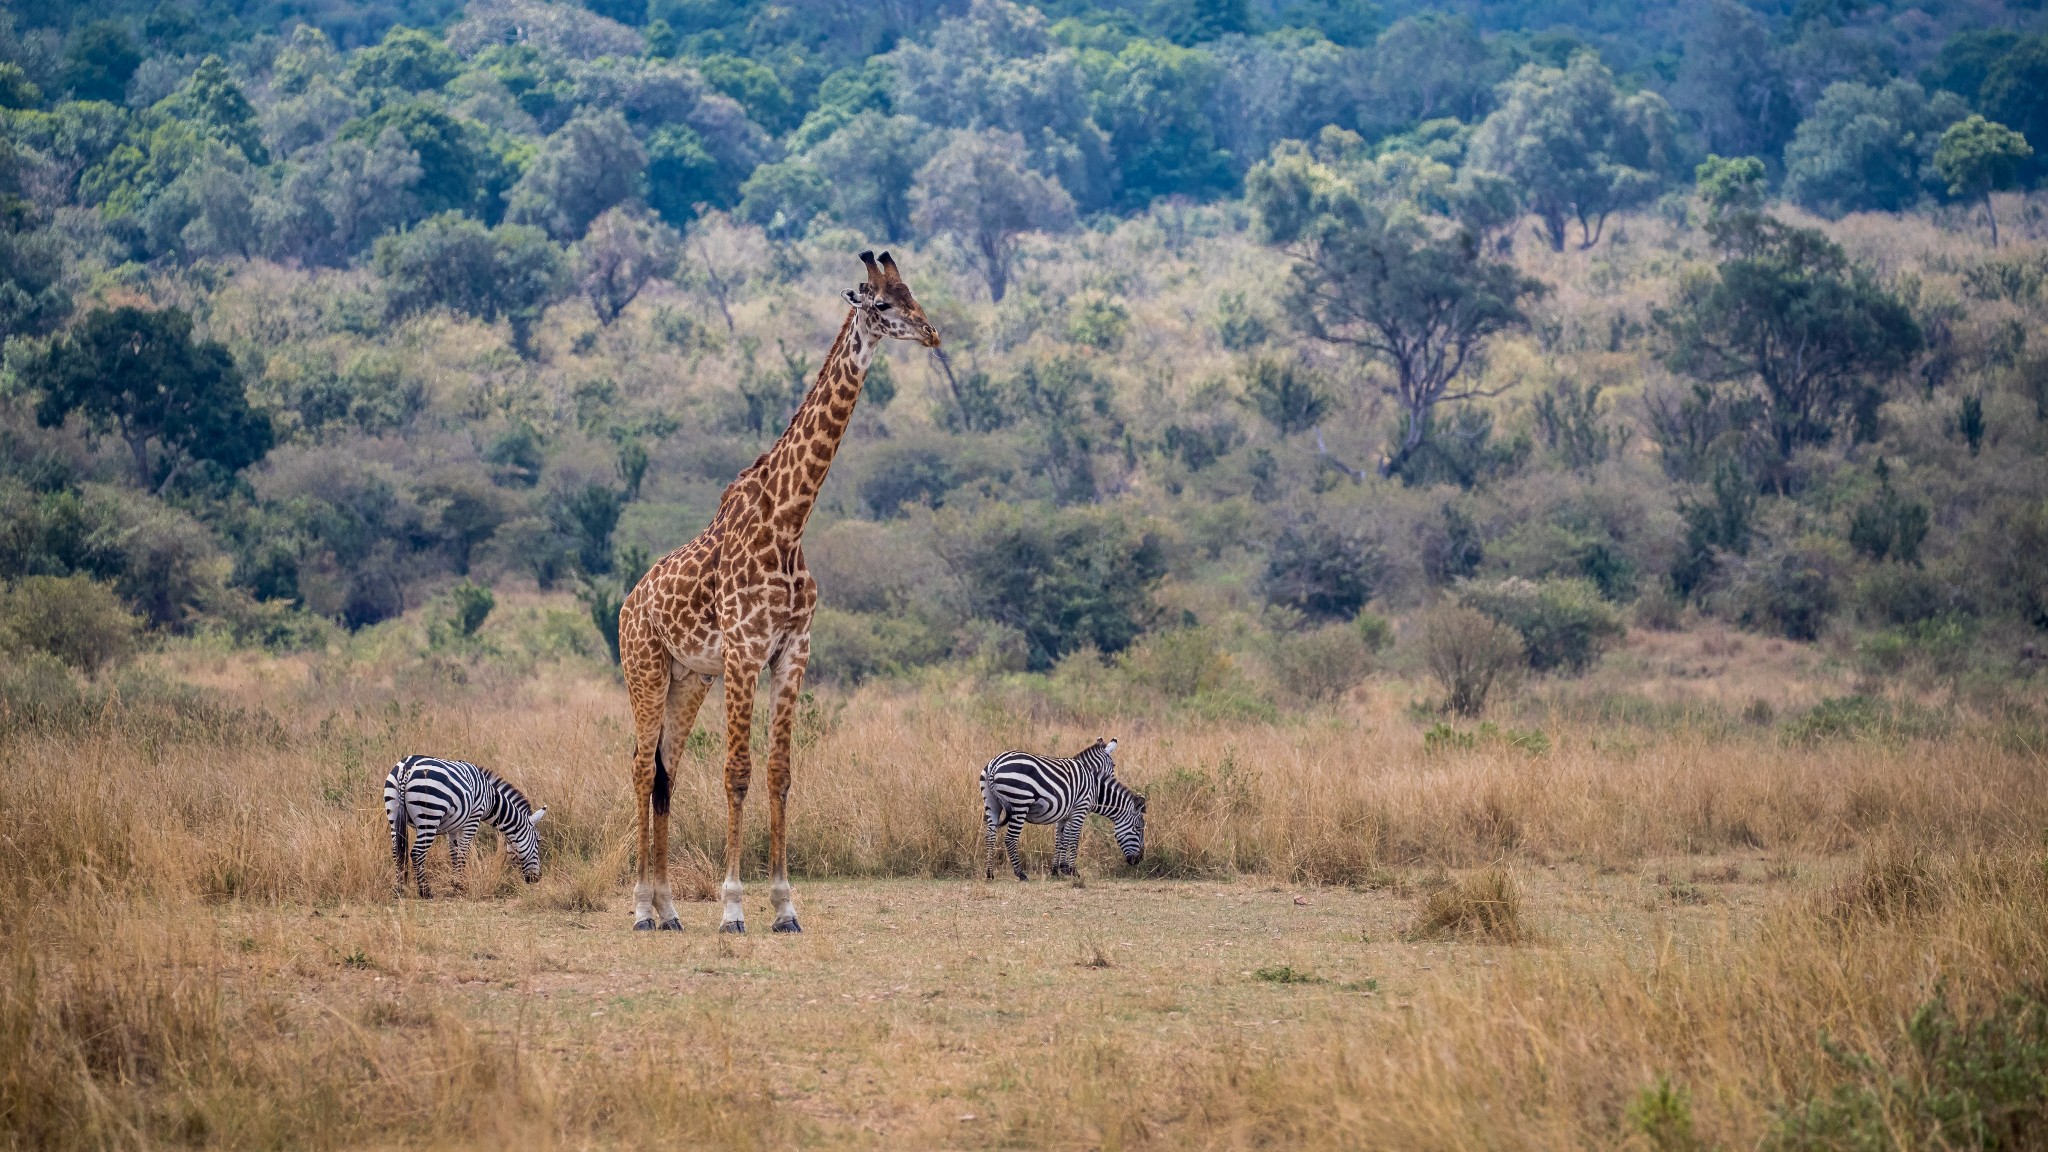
pixel 516 820
pixel 1099 756
pixel 1126 812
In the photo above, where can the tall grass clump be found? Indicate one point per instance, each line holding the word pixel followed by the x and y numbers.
pixel 1485 906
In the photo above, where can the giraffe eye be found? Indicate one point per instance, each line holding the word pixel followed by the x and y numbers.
pixel 882 305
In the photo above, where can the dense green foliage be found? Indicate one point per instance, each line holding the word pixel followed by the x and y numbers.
pixel 1257 313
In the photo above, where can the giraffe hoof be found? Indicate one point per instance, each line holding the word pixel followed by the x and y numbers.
pixel 788 924
pixel 671 925
pixel 735 927
pixel 643 925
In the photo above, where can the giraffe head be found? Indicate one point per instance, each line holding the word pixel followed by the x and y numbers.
pixel 886 302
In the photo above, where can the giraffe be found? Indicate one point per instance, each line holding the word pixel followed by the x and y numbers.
pixel 738 599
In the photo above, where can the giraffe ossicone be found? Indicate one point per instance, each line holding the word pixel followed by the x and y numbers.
pixel 738 599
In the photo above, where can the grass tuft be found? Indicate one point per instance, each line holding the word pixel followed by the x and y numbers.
pixel 1484 906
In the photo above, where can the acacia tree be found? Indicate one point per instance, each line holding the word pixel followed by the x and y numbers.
pixel 618 256
pixel 1575 146
pixel 976 192
pixel 1416 294
pixel 1789 318
pixel 140 374
pixel 1978 157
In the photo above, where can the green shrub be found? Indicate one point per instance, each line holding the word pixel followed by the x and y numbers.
pixel 1376 630
pixel 1066 578
pixel 473 604
pixel 1178 663
pixel 1662 1112
pixel 1564 624
pixel 1320 664
pixel 1965 1079
pixel 1862 717
pixel 849 647
pixel 73 618
pixel 1900 594
pixel 1470 655
pixel 1792 591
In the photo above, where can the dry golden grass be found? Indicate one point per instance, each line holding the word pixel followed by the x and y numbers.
pixel 201 946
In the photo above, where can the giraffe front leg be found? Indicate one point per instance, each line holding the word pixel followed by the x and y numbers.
pixel 789 682
pixel 741 676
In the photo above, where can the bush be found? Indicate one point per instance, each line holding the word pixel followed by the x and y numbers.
pixel 1897 594
pixel 1966 1080
pixel 1791 592
pixel 1323 570
pixel 73 618
pixel 1486 906
pixel 1066 578
pixel 1321 664
pixel 1564 624
pixel 1470 655
pixel 1180 663
pixel 849 647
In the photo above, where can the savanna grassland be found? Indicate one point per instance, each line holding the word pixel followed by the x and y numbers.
pixel 1630 915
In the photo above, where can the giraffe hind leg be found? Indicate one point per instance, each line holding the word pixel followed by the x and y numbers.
pixel 685 696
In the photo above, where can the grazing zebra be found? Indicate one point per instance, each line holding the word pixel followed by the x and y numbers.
pixel 430 796
pixel 1018 788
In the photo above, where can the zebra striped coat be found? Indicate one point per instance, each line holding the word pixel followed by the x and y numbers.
pixel 1018 788
pixel 430 796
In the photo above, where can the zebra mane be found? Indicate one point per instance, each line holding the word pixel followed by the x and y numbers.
pixel 1113 795
pixel 512 803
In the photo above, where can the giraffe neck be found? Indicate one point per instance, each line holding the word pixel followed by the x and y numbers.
pixel 796 465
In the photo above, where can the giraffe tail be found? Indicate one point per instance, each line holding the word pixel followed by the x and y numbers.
pixel 661 781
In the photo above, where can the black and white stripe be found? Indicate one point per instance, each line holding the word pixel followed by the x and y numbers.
pixel 1018 788
pixel 431 796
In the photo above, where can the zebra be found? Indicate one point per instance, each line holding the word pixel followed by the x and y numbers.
pixel 431 795
pixel 1019 788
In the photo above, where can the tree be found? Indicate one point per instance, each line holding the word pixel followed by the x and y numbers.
pixel 457 170
pixel 212 99
pixel 1978 157
pixel 1788 315
pixel 592 163
pixel 142 375
pixel 335 201
pixel 784 198
pixel 871 164
pixel 1731 86
pixel 1729 185
pixel 408 59
pixel 1575 145
pixel 1868 149
pixel 683 176
pixel 1065 578
pixel 618 256
pixel 2015 93
pixel 99 62
pixel 1286 392
pixel 450 261
pixel 1386 284
pixel 1152 99
pixel 976 192
pixel 1324 570
pixel 1429 66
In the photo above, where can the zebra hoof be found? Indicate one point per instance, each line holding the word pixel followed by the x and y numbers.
pixel 788 924
pixel 671 925
pixel 735 927
pixel 643 925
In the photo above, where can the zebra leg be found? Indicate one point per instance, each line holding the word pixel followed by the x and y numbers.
pixel 993 821
pixel 399 828
pixel 1012 831
pixel 1068 845
pixel 459 842
pixel 789 681
pixel 685 695
pixel 423 839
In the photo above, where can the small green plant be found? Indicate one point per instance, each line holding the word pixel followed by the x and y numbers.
pixel 1376 630
pixel 1287 974
pixel 1662 1112
pixel 1964 1080
pixel 473 603
pixel 1444 738
pixel 355 959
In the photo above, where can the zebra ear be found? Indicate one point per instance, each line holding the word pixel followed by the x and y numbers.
pixel 535 818
pixel 1110 747
pixel 1141 803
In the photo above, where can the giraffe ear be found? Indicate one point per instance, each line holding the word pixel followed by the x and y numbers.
pixel 852 297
